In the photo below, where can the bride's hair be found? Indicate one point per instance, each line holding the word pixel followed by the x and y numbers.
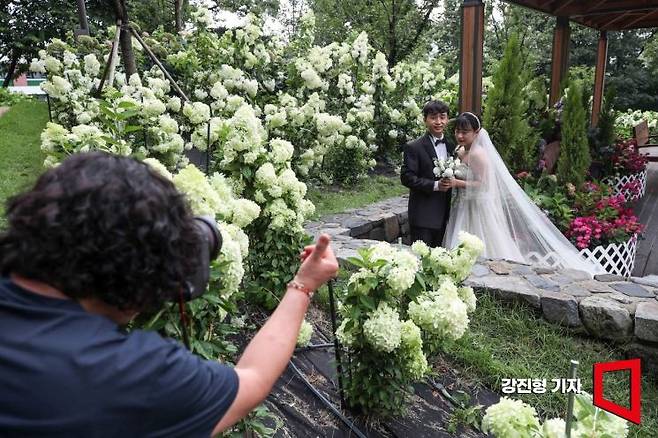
pixel 466 121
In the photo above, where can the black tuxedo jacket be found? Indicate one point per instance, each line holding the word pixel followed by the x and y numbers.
pixel 427 208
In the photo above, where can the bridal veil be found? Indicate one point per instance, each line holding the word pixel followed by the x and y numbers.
pixel 494 207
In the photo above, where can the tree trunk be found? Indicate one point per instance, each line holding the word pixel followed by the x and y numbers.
pixel 178 14
pixel 15 55
pixel 392 57
pixel 127 54
pixel 82 16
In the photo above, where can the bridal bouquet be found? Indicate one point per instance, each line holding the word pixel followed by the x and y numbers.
pixel 447 168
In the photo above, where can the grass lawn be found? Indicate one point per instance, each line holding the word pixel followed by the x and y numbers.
pixel 375 188
pixel 21 158
pixel 508 340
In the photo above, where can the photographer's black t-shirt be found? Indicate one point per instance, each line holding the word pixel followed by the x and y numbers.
pixel 65 372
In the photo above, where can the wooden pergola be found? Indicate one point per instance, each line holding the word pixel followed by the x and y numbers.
pixel 602 15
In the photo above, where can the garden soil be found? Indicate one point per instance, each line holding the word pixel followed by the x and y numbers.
pixel 304 415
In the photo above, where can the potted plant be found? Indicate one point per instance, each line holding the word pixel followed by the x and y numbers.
pixel 604 229
pixel 600 224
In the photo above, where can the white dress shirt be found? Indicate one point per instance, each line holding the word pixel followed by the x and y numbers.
pixel 441 154
pixel 441 151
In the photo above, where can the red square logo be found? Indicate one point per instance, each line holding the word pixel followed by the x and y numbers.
pixel 633 365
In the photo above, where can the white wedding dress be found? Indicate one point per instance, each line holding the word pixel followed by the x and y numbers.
pixel 497 210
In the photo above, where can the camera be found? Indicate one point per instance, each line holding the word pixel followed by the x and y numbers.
pixel 211 245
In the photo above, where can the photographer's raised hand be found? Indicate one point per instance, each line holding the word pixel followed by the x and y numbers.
pixel 319 264
pixel 268 353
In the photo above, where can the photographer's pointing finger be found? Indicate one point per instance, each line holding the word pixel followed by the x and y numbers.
pixel 321 246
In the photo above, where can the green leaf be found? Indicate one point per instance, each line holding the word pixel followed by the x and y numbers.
pixel 126 105
pixel 367 302
pixel 357 262
pixel 132 128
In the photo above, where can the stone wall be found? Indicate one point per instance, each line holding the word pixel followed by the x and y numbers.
pixel 608 307
pixel 383 221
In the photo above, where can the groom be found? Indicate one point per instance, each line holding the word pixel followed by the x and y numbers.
pixel 429 202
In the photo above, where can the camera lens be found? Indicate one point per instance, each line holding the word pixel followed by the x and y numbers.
pixel 211 235
pixel 197 283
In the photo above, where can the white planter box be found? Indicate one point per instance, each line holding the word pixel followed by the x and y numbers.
pixel 617 182
pixel 616 258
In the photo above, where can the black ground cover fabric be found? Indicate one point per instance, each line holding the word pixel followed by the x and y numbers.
pixel 304 415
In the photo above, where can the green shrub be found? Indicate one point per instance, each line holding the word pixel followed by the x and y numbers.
pixel 505 113
pixel 574 161
pixel 7 98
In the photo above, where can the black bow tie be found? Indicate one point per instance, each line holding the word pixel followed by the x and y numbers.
pixel 438 142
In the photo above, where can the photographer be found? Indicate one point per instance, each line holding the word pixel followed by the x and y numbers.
pixel 98 240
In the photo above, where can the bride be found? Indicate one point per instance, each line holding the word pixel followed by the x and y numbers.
pixel 491 205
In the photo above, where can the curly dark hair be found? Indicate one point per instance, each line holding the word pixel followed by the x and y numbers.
pixel 103 226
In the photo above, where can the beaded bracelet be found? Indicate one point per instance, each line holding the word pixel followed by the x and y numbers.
pixel 300 287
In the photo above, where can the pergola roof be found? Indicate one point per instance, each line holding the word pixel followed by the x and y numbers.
pixel 600 14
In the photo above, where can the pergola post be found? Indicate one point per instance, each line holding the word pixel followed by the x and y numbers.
pixel 560 60
pixel 472 41
pixel 599 76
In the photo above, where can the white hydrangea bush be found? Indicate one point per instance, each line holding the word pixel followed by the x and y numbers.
pixel 331 102
pixel 511 418
pixel 626 120
pixel 135 116
pixel 398 307
pixel 212 196
pixel 340 105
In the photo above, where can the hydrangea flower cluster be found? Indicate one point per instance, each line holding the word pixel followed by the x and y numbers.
pixel 334 84
pixel 382 328
pixel 440 264
pixel 441 314
pixel 305 333
pixel 130 119
pixel 212 196
pixel 389 284
pixel 513 418
pixel 400 269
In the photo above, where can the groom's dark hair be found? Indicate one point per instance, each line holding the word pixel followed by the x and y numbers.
pixel 435 107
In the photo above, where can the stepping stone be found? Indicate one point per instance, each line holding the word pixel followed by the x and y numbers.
pixel 523 270
pixel 544 270
pixel 605 318
pixel 632 290
pixel 391 228
pixel 3 110
pixel 479 270
pixel 560 279
pixel 596 287
pixel 511 289
pixel 620 298
pixel 542 283
pixel 649 280
pixel 575 274
pixel 608 277
pixel 646 321
pixel 575 290
pixel 500 267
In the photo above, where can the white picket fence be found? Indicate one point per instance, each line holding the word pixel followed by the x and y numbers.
pixel 619 181
pixel 616 258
